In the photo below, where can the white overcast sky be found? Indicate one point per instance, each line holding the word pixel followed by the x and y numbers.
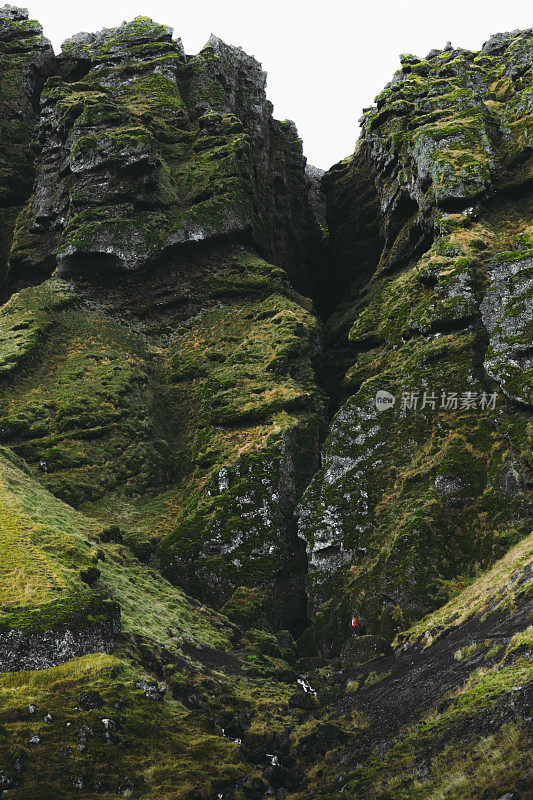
pixel 325 60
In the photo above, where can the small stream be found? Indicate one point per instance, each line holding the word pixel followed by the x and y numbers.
pixel 306 686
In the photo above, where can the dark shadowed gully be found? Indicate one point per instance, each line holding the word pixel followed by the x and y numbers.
pixel 265 434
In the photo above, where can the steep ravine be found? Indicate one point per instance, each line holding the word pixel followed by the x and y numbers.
pixel 197 489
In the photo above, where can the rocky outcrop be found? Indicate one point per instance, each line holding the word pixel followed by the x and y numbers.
pixel 26 58
pixel 145 150
pixel 506 315
pixel 447 131
pixel 54 634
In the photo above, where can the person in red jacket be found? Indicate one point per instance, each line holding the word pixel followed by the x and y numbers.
pixel 358 627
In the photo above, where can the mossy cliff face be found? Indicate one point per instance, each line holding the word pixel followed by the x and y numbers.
pixel 411 496
pixel 193 376
pixel 178 565
pixel 25 59
pixel 414 494
pixel 196 431
pixel 245 370
pixel 144 149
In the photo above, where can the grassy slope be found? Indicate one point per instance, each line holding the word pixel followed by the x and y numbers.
pixel 160 745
